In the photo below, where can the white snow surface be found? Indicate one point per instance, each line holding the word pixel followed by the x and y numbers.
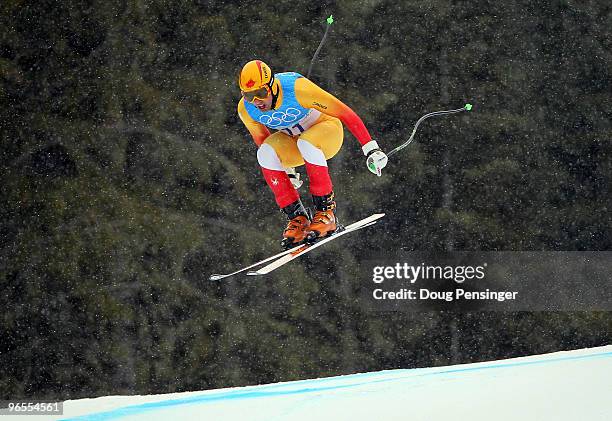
pixel 572 385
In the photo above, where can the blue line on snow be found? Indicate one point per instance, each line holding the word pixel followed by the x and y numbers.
pixel 269 391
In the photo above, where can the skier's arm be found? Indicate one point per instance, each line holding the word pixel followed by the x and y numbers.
pixel 258 131
pixel 310 95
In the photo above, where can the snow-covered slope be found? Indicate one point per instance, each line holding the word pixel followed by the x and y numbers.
pixel 575 385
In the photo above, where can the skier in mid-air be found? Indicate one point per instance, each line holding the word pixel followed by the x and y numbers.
pixel 308 131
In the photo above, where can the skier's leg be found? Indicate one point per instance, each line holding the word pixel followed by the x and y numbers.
pixel 318 144
pixel 286 149
pixel 276 153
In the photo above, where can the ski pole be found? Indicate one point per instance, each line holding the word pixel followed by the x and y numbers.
pixel 330 20
pixel 466 107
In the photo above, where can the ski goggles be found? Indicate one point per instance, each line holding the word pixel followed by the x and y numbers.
pixel 261 94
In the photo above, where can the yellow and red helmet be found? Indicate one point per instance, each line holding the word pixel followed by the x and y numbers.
pixel 255 80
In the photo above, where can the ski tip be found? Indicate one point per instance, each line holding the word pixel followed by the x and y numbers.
pixel 215 277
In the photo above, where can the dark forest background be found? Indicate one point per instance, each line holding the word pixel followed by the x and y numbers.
pixel 127 179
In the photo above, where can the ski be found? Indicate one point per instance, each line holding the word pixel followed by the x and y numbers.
pixel 352 227
pixel 294 254
pixel 217 276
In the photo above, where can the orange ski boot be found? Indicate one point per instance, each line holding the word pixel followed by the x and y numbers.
pixel 324 221
pixel 298 226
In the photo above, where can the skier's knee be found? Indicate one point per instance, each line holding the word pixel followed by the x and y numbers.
pixel 268 158
pixel 311 153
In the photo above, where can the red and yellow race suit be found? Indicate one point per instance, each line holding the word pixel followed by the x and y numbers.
pixel 315 117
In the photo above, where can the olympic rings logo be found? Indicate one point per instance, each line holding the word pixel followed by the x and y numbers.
pixel 278 118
